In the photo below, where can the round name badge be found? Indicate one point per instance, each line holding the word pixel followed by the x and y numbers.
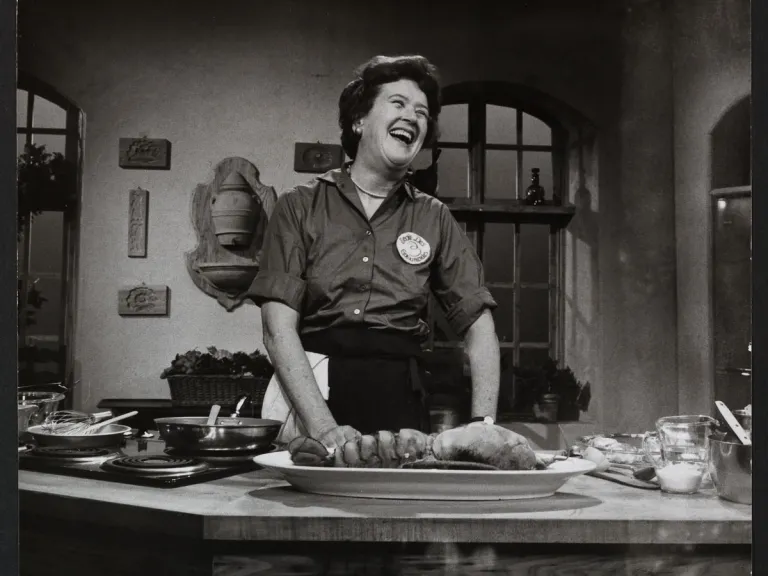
pixel 413 248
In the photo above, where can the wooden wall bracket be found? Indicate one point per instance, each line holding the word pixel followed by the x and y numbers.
pixel 229 290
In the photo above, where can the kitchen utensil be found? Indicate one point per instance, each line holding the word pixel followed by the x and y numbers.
pixel 619 448
pixel 733 424
pixel 25 411
pixel 647 474
pixel 94 428
pixel 46 402
pixel 71 421
pixel 730 467
pixel 191 433
pixel 679 451
pixel 614 475
pixel 241 401
pixel 111 436
pixel 214 413
pixel 418 484
pixel 49 385
pixel 744 417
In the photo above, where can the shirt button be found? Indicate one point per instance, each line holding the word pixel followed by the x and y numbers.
pixel 365 258
pixel 357 310
pixel 368 232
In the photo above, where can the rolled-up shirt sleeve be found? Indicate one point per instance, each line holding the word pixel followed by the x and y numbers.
pixel 457 277
pixel 283 257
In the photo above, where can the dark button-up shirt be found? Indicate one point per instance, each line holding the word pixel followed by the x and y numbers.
pixel 323 257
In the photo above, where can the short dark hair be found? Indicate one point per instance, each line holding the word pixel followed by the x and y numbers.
pixel 357 98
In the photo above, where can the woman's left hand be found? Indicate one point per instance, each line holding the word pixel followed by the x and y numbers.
pixel 338 436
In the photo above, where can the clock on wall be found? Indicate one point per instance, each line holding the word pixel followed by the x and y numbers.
pixel 317 157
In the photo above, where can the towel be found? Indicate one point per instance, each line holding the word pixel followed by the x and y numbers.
pixel 277 406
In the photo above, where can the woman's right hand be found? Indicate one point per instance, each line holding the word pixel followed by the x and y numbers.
pixel 338 436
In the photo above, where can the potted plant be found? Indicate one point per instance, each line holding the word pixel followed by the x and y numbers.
pixel 550 391
pixel 45 181
pixel 216 376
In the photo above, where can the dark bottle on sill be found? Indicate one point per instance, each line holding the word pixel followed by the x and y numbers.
pixel 534 194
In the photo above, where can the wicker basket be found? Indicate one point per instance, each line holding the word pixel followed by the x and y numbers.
pixel 207 390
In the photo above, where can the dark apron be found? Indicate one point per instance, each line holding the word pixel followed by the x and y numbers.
pixel 375 378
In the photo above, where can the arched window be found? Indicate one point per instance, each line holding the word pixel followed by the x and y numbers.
pixel 731 253
pixel 47 242
pixel 492 135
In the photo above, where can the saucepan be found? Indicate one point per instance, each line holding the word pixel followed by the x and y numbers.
pixel 111 436
pixel 730 467
pixel 194 434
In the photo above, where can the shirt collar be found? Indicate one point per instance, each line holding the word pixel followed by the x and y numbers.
pixel 339 177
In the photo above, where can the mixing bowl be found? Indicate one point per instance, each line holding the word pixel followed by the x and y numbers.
pixel 46 402
pixel 730 467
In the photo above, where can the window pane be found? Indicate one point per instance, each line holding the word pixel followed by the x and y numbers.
pixel 47 114
pixel 21 139
pixel 542 161
pixel 21 108
pixel 504 314
pixel 46 246
pixel 500 124
pixel 53 142
pixel 500 174
pixel 533 357
pixel 454 122
pixel 535 131
pixel 534 315
pixel 48 316
pixel 453 174
pixel 534 266
pixel 498 257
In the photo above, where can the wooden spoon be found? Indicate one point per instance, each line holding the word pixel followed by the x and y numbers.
pixel 213 415
pixel 91 429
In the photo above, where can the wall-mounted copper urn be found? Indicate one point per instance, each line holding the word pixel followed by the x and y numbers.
pixel 234 212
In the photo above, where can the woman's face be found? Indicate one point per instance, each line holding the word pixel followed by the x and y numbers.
pixel 394 130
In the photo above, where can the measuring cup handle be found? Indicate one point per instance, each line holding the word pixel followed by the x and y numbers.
pixel 651 446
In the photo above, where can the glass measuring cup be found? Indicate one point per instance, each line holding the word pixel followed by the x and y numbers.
pixel 679 451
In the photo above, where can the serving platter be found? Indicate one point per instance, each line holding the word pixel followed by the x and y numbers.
pixel 420 484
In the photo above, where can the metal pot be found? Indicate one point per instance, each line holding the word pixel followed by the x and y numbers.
pixel 111 436
pixel 46 402
pixel 193 434
pixel 730 467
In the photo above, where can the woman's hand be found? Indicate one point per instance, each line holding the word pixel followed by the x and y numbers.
pixel 338 436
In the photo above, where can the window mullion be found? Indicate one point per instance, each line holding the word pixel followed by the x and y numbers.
pixel 519 126
pixel 517 251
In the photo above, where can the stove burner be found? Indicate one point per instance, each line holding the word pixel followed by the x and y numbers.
pixel 70 453
pixel 220 457
pixel 154 465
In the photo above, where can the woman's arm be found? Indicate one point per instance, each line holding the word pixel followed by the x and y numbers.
pixel 482 348
pixel 281 339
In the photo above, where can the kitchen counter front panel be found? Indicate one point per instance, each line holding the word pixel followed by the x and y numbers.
pixel 259 506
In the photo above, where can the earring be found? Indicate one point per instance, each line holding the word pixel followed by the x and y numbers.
pixel 357 130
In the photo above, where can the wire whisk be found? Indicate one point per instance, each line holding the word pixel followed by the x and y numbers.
pixel 71 422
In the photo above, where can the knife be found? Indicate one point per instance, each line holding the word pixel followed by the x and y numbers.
pixel 621 478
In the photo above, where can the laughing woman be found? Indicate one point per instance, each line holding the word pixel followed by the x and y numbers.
pixel 347 266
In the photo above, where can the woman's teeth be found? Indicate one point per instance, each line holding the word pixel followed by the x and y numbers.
pixel 402 135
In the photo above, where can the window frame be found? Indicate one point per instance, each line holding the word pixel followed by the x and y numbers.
pixel 73 152
pixel 475 211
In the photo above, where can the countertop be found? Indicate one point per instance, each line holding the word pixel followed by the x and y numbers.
pixel 259 506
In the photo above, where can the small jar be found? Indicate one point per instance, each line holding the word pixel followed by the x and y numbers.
pixel 548 407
